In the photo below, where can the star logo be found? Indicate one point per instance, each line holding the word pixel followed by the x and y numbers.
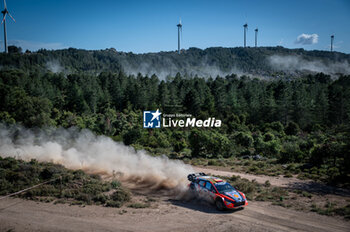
pixel 156 115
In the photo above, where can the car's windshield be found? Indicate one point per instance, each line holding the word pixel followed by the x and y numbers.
pixel 224 187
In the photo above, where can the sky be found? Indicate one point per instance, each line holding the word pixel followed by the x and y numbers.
pixel 150 26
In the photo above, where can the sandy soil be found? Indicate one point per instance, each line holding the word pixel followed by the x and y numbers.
pixel 165 214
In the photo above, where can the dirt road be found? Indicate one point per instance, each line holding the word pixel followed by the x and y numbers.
pixel 22 215
pixel 275 181
pixel 280 181
pixel 164 215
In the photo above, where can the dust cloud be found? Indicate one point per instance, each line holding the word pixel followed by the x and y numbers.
pixel 168 67
pixel 81 149
pixel 54 66
pixel 297 63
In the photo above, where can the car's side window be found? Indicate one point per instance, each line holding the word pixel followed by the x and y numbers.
pixel 202 183
pixel 208 185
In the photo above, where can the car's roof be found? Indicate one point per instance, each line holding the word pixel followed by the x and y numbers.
pixel 212 179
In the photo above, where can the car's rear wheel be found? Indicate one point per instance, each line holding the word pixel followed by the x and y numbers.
pixel 219 204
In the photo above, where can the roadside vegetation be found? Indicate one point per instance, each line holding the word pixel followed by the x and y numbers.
pixel 74 187
pixel 267 166
pixel 291 198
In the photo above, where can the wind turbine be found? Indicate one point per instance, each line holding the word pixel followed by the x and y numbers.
pixel 332 39
pixel 179 31
pixel 256 37
pixel 245 34
pixel 4 13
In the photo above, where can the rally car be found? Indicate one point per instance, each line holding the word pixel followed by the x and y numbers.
pixel 217 191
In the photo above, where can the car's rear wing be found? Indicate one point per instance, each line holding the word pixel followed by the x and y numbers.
pixel 192 177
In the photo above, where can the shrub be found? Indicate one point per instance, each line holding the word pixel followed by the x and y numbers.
pixel 267 184
pixel 209 143
pixel 116 204
pixel 292 128
pixel 270 149
pixel 115 184
pixel 139 205
pixel 179 145
pixel 162 140
pixel 268 137
pixel 121 196
pixel 131 136
pixel 244 139
pixel 101 198
pixel 343 211
pixel 306 194
pixel 213 163
pixel 277 126
pixel 290 153
pixel 84 197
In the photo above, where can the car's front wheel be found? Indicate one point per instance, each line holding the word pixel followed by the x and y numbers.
pixel 219 204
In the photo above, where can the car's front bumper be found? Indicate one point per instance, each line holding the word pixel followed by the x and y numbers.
pixel 235 205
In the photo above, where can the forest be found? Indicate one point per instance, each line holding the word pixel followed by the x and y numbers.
pixel 266 62
pixel 303 120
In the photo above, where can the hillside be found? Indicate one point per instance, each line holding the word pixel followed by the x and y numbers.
pixel 259 62
pixel 303 120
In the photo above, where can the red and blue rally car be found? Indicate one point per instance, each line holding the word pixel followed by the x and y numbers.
pixel 216 190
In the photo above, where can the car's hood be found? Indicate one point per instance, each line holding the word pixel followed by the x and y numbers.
pixel 235 195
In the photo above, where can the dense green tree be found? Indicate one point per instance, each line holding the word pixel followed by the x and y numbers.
pixel 192 102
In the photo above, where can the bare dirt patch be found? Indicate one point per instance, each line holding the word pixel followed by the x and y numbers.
pixel 22 215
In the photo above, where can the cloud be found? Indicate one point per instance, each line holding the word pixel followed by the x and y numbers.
pixel 33 45
pixel 306 39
